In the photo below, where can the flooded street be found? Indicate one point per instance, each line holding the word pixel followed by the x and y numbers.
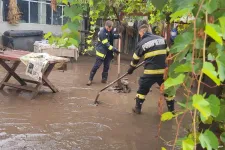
pixel 68 120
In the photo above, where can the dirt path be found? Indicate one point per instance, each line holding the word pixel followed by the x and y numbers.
pixel 69 120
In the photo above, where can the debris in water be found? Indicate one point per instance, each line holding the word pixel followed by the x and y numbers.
pixel 123 88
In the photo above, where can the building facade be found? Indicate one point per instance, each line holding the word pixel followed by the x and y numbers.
pixel 35 15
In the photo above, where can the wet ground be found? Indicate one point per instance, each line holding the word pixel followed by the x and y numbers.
pixel 69 120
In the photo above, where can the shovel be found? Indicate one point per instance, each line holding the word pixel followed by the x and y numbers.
pixel 96 99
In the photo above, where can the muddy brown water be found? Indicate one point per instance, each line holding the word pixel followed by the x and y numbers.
pixel 68 120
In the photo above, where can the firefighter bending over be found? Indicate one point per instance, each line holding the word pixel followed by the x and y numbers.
pixel 153 49
pixel 104 51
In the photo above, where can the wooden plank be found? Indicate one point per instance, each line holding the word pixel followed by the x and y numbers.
pixel 19 86
pixel 30 81
pixel 37 89
pixel 8 75
pixel 12 72
pixel 50 85
pixel 45 78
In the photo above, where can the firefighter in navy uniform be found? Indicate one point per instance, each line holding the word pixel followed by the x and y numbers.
pixel 104 51
pixel 154 50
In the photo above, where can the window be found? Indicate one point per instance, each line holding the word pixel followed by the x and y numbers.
pixel 37 11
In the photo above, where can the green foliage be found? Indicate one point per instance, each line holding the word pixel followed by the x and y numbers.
pixel 188 144
pixel 202 105
pixel 174 81
pixel 211 6
pixel 182 41
pixel 222 137
pixel 213 30
pixel 209 70
pixel 214 104
pixel 209 140
pixel 167 116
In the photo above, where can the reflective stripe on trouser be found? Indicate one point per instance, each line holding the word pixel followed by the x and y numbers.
pixel 141 96
pixel 169 98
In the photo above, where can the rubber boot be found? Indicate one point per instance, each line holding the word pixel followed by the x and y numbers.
pixel 92 74
pixel 104 81
pixel 170 105
pixel 104 77
pixel 89 83
pixel 138 106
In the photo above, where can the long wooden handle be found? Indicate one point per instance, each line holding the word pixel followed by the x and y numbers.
pixel 118 58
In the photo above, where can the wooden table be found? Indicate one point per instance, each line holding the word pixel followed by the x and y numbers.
pixel 14 56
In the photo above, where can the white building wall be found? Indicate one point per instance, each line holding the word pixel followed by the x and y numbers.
pixel 4 26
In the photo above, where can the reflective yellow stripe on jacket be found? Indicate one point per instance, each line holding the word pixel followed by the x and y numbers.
pixel 155 53
pixel 158 71
pixel 110 47
pixel 132 64
pixel 104 41
pixel 135 57
pixel 100 54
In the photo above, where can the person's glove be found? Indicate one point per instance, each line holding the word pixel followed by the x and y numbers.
pixel 115 51
pixel 131 70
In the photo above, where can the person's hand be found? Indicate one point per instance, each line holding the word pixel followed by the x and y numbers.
pixel 115 50
pixel 131 70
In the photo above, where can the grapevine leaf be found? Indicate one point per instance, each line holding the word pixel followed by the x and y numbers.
pixel 211 57
pixel 184 68
pixel 206 121
pixel 173 66
pixel 167 116
pixel 221 116
pixel 174 81
pixel 213 31
pixel 188 144
pixel 180 13
pixel 209 140
pixel 211 6
pixel 201 105
pixel 199 43
pixel 186 106
pixel 209 70
pixel 220 60
pixel 222 24
pixel 222 137
pixel 91 3
pixel 159 4
pixel 163 148
pixel 214 103
pixel 181 42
